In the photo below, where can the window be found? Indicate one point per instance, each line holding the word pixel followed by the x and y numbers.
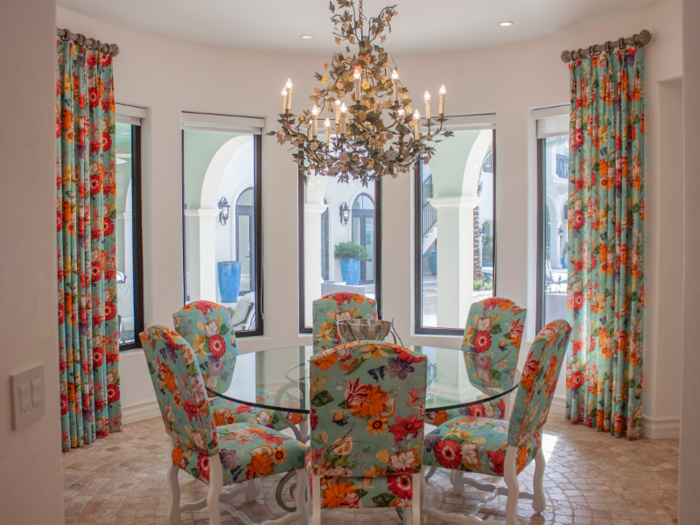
pixel 222 210
pixel 553 193
pixel 455 230
pixel 129 243
pixel 332 213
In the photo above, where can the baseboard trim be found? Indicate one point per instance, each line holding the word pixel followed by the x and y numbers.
pixel 652 427
pixel 558 407
pixel 140 412
pixel 661 427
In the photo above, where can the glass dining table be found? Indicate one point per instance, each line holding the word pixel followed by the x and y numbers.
pixel 278 380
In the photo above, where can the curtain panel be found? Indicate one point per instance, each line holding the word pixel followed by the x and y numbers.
pixel 86 211
pixel 606 236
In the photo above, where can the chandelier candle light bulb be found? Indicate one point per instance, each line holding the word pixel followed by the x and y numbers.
pixel 395 82
pixel 443 92
pixel 343 117
pixel 416 124
pixel 289 87
pixel 358 80
pixel 427 107
pixel 284 101
pixel 384 137
pixel 315 111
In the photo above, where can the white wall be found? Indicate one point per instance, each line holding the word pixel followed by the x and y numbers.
pixel 168 77
pixel 688 501
pixel 31 482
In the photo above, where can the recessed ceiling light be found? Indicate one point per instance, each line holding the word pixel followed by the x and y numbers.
pixel 307 37
pixel 506 24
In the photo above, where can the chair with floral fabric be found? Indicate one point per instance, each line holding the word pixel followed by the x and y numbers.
pixel 218 456
pixel 341 305
pixel 500 448
pixel 368 409
pixel 207 327
pixel 491 346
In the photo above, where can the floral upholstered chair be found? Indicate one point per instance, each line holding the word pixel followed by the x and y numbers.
pixel 491 346
pixel 368 406
pixel 216 455
pixel 341 305
pixel 207 327
pixel 500 448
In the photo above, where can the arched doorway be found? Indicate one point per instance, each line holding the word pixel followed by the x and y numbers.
pixel 363 233
pixel 245 239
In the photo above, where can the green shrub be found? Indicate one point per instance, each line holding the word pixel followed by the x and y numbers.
pixel 350 250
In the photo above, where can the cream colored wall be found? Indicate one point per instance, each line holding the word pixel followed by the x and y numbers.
pixel 689 482
pixel 168 77
pixel 31 482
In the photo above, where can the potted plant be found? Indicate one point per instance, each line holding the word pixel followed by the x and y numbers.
pixel 350 255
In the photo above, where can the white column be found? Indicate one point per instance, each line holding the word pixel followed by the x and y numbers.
pixel 203 276
pixel 128 246
pixel 554 244
pixel 455 258
pixel 312 256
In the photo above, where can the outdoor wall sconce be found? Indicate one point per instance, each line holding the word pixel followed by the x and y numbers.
pixel 344 213
pixel 224 209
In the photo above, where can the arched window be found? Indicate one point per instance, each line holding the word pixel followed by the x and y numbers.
pixel 245 239
pixel 363 233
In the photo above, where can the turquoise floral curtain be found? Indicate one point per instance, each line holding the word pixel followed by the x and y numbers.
pixel 606 236
pixel 87 293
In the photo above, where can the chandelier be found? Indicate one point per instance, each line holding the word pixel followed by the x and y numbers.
pixel 377 132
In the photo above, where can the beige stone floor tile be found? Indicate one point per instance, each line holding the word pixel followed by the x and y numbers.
pixel 591 479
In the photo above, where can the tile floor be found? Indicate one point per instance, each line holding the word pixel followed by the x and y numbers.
pixel 591 478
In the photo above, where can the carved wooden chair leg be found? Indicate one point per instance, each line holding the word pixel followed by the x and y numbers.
pixel 538 502
pixel 316 498
pixel 253 490
pixel 216 483
pixel 510 474
pixel 457 480
pixel 174 510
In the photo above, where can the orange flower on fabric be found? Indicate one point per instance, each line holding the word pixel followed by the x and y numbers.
pixel 260 466
pixel 374 403
pixel 325 361
pixel 340 495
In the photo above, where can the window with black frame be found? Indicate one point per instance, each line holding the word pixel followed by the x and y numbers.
pixel 336 218
pixel 222 216
pixel 455 230
pixel 129 243
pixel 552 238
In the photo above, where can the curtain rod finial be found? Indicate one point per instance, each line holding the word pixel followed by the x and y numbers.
pixel 566 56
pixel 642 38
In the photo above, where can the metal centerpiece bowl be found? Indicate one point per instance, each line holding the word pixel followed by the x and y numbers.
pixel 363 330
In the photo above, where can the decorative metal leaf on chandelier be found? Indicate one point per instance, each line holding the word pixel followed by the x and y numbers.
pixel 378 134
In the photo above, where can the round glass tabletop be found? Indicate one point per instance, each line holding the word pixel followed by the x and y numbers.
pixel 278 379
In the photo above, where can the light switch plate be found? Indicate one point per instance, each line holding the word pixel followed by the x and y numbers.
pixel 28 401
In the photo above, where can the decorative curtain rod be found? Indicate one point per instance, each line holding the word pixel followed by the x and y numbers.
pixel 108 49
pixel 639 40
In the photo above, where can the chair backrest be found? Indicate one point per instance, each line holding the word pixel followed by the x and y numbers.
pixel 341 305
pixel 206 326
pixel 492 340
pixel 368 410
pixel 538 382
pixel 180 390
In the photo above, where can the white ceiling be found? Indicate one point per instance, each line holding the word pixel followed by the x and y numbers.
pixel 422 25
